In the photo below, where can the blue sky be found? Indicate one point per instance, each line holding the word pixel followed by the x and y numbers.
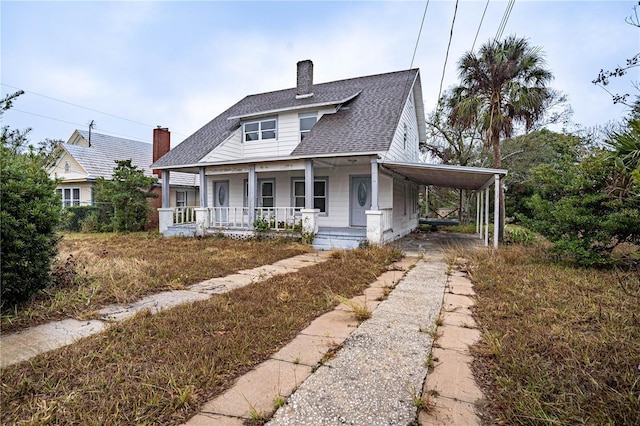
pixel 179 64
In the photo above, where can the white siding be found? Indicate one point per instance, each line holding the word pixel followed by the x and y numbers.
pixel 74 167
pixel 398 151
pixel 288 138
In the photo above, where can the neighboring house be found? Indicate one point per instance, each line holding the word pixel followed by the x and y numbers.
pixel 339 160
pixel 84 158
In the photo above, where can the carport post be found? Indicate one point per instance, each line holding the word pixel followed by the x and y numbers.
pixel 477 212
pixel 496 210
pixel 486 217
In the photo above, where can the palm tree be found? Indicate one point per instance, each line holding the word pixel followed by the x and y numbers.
pixel 502 86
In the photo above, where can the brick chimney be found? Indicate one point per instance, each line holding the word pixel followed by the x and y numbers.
pixel 305 79
pixel 161 145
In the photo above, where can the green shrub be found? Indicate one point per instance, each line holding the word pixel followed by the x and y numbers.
pixel 29 214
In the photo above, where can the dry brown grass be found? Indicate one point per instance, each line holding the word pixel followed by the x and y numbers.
pixel 159 369
pixel 560 345
pixel 120 268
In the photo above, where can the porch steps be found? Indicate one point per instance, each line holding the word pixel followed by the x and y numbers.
pixel 339 238
pixel 188 230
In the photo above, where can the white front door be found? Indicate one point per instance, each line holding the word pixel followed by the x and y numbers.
pixel 221 199
pixel 360 199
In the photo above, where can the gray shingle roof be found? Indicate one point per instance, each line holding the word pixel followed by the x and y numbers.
pixel 99 159
pixel 364 124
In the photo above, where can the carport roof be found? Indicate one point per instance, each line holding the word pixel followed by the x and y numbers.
pixel 460 177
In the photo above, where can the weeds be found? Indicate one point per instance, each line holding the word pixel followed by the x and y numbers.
pixel 559 344
pixel 360 312
pixel 159 368
pixel 100 269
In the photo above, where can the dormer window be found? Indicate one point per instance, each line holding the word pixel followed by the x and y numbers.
pixel 260 130
pixel 307 121
pixel 66 167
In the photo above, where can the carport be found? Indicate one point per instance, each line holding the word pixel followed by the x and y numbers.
pixel 477 179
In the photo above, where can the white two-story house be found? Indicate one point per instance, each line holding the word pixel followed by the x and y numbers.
pixel 335 160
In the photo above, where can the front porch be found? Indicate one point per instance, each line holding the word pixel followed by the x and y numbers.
pixel 236 222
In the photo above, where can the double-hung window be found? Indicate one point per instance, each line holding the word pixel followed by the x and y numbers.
pixel 307 121
pixel 266 196
pixel 320 192
pixel 69 196
pixel 260 130
pixel 181 198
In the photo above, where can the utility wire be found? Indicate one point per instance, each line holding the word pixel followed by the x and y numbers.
pixel 75 124
pixel 505 18
pixel 479 26
pixel 446 58
pixel 419 34
pixel 83 107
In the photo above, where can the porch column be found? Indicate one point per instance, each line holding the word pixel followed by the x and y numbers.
pixel 426 201
pixel 309 213
pixel 165 213
pixel 486 217
pixel 374 227
pixel 496 210
pixel 166 193
pixel 203 188
pixel 251 198
pixel 374 185
pixel 481 218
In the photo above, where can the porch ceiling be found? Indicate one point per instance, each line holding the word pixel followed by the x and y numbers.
pixel 473 178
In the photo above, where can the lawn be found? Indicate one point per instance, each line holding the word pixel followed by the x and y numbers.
pixel 99 269
pixel 158 369
pixel 560 345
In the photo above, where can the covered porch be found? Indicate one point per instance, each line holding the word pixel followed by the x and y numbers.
pixel 389 204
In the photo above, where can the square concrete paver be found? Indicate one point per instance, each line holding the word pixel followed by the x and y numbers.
pixel 204 419
pixel 337 324
pixel 305 349
pixel 256 390
pixel 452 376
pixel 459 319
pixel 448 412
pixel 457 338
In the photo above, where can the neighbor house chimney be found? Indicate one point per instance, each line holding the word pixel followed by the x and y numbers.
pixel 305 79
pixel 161 145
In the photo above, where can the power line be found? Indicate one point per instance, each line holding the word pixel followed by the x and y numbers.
pixel 481 20
pixel 446 58
pixel 83 107
pixel 505 18
pixel 77 125
pixel 419 34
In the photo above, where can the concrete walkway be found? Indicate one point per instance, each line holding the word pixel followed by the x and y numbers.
pixel 26 344
pixel 335 372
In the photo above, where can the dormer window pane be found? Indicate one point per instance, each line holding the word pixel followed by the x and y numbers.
pixel 258 130
pixel 307 121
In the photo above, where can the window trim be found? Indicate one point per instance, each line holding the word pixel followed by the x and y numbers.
pixel 71 201
pixel 259 197
pixel 184 201
pixel 260 131
pixel 324 179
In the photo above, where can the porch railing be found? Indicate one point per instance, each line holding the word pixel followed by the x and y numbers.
pixel 266 218
pixel 387 219
pixel 229 217
pixel 278 219
pixel 184 215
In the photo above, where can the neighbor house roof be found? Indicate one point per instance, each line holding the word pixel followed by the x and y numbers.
pixel 366 121
pixel 98 160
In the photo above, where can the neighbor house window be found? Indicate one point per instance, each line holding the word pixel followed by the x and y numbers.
pixel 181 198
pixel 319 194
pixel 66 167
pixel 266 193
pixel 260 130
pixel 69 196
pixel 404 137
pixel 307 121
